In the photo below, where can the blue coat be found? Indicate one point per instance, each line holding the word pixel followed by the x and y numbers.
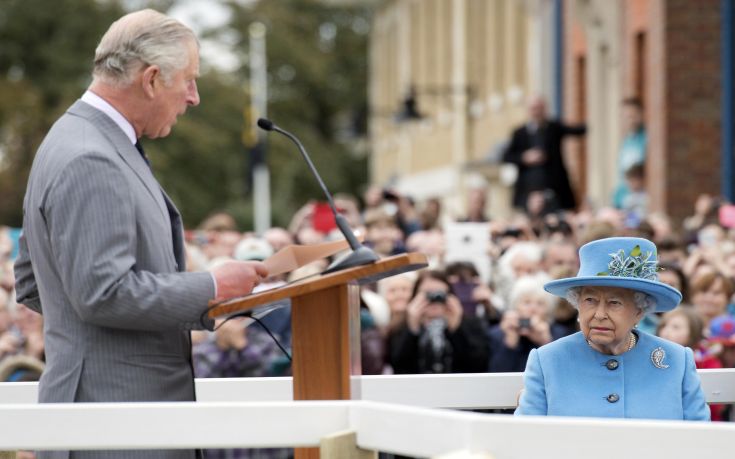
pixel 569 378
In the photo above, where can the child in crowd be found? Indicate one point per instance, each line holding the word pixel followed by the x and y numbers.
pixel 721 342
pixel 684 326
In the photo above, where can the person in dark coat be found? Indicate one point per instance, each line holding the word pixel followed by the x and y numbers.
pixel 436 336
pixel 535 148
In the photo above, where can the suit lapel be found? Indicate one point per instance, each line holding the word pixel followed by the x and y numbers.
pixel 125 150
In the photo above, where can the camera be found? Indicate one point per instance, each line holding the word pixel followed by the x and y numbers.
pixel 512 232
pixel 436 297
pixel 524 323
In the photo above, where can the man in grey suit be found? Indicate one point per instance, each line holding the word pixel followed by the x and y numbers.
pixel 102 255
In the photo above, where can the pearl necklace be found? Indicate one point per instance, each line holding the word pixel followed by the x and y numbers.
pixel 632 341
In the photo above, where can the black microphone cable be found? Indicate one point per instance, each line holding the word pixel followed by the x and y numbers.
pixel 249 314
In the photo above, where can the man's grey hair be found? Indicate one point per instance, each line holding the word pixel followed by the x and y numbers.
pixel 643 301
pixel 138 39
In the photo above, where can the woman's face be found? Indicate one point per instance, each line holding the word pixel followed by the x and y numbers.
pixel 606 317
pixel 711 302
pixel 397 292
pixel 532 304
pixel 433 310
pixel 676 329
pixel 522 266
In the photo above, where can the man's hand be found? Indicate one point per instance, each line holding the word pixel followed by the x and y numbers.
pixel 238 278
pixel 533 157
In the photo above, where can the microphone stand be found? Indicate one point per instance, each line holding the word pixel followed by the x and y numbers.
pixel 360 255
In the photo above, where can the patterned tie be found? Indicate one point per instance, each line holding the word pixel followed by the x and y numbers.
pixel 139 147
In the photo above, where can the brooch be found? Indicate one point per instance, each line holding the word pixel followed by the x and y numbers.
pixel 657 357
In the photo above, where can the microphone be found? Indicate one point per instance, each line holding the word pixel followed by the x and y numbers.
pixel 360 255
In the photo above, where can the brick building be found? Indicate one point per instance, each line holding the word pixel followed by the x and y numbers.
pixel 472 64
pixel 667 53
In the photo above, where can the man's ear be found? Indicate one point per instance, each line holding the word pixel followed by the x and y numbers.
pixel 150 80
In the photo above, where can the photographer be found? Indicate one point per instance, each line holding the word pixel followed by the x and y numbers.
pixel 525 325
pixel 437 337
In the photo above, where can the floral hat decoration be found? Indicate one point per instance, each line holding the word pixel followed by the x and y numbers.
pixel 625 262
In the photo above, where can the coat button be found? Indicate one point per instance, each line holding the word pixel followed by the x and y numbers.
pixel 612 364
pixel 612 398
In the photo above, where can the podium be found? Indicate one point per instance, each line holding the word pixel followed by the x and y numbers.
pixel 325 327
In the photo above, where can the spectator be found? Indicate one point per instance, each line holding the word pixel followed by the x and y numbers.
pixel 5 318
pixel 710 293
pixel 671 252
pixel 722 342
pixel 437 337
pixel 706 209
pixel 477 297
pixel 632 149
pixel 236 350
pixel 476 202
pixel 431 216
pixel 278 238
pixel 30 326
pixel 525 325
pixel 348 206
pixel 560 255
pixel 683 326
pixel 382 233
pixel 564 315
pixel 671 274
pixel 521 259
pixel 635 202
pixel 430 243
pixel 397 291
pixel 535 148
pixel 20 368
pixel 662 226
pixel 372 344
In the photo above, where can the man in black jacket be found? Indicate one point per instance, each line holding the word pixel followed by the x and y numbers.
pixel 535 148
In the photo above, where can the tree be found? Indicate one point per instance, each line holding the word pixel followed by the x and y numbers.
pixel 45 63
pixel 317 72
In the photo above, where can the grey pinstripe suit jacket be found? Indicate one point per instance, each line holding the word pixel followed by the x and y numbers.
pixel 102 257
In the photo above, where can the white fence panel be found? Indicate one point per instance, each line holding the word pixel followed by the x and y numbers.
pixel 477 390
pixel 168 425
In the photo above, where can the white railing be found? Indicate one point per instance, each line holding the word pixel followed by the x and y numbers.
pixel 480 390
pixel 392 428
pixel 227 416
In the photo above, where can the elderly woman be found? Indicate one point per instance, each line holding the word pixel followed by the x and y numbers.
pixel 609 369
pixel 526 325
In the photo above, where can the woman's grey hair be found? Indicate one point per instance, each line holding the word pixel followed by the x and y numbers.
pixel 531 285
pixel 145 37
pixel 643 301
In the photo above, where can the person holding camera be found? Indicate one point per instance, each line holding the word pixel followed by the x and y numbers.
pixel 436 336
pixel 526 325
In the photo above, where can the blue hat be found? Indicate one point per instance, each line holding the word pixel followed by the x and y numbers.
pixel 626 262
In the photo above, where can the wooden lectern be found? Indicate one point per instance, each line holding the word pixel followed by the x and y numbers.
pixel 325 327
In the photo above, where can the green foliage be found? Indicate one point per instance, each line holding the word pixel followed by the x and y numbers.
pixel 317 86
pixel 317 66
pixel 46 51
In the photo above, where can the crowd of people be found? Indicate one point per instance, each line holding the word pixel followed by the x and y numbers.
pixel 446 318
